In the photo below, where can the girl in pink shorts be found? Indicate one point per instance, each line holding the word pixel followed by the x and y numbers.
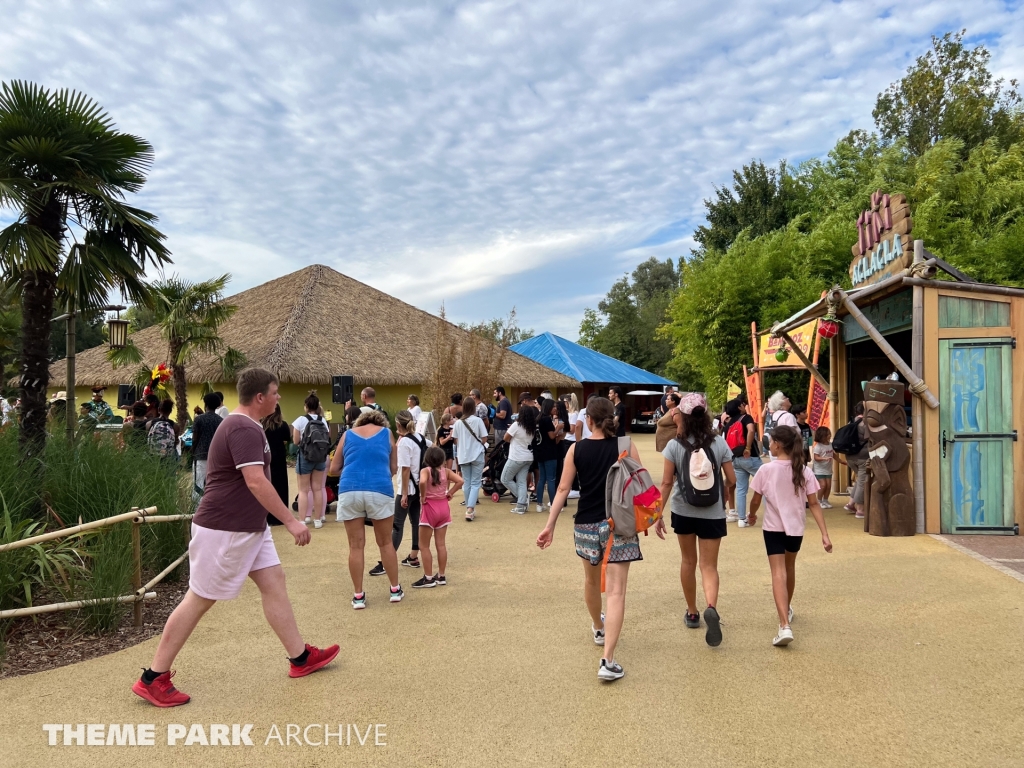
pixel 437 484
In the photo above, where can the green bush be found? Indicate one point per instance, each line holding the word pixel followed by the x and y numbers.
pixel 90 480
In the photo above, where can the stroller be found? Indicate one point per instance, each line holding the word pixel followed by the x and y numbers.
pixel 491 482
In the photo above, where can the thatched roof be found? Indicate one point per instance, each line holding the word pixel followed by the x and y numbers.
pixel 311 325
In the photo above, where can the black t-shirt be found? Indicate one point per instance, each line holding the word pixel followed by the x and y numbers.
pixel 506 406
pixel 620 414
pixel 548 449
pixel 755 449
pixel 593 459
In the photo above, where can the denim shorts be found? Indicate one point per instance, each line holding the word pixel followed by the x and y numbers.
pixel 304 467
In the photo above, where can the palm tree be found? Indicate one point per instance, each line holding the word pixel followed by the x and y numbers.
pixel 189 315
pixel 66 172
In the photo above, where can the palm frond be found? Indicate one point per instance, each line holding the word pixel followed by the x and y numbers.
pixel 127 355
pixel 26 247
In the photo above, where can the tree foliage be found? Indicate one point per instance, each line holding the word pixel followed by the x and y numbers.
pixel 949 93
pixel 626 323
pixel 761 200
pixel 501 330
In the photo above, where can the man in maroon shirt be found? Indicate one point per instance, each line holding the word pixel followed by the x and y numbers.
pixel 231 542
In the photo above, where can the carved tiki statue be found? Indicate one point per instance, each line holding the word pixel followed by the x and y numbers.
pixel 891 503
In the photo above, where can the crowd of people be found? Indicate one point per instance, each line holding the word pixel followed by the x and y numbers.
pixel 566 450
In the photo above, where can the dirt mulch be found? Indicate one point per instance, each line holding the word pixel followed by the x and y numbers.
pixel 51 640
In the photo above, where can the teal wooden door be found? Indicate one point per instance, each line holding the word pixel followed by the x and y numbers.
pixel 976 435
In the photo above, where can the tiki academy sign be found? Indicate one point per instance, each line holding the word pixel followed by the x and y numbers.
pixel 881 249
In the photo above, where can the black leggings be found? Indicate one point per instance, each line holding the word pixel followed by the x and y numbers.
pixel 413 513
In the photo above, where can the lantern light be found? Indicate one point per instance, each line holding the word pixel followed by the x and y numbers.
pixel 117 332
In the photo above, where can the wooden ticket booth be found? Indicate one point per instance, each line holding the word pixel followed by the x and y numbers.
pixel 951 343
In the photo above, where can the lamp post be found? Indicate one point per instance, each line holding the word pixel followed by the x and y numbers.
pixel 117 337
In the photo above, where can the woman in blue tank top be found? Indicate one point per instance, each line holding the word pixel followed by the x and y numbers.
pixel 366 493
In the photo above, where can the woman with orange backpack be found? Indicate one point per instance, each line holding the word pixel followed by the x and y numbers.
pixel 590 459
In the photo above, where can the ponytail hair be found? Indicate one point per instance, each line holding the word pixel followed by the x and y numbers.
pixel 601 411
pixel 468 408
pixel 312 402
pixel 792 444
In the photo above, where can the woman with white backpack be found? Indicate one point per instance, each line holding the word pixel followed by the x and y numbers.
pixel 699 458
pixel 590 459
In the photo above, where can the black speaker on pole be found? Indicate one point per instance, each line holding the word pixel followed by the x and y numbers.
pixel 342 389
pixel 125 395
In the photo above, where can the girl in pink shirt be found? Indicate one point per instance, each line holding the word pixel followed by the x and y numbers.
pixel 437 484
pixel 787 486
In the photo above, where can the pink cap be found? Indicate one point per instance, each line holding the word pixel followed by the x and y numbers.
pixel 692 400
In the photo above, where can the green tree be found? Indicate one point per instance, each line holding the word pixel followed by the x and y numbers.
pixel 501 330
pixel 190 316
pixel 949 93
pixel 64 170
pixel 633 310
pixel 761 200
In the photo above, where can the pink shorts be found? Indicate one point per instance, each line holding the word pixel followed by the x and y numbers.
pixel 220 561
pixel 435 513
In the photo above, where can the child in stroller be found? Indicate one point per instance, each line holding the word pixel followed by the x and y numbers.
pixel 496 460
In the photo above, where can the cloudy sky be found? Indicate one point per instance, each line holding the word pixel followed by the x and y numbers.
pixel 480 154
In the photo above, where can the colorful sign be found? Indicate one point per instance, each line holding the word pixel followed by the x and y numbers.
pixel 754 397
pixel 733 391
pixel 769 345
pixel 882 247
pixel 817 405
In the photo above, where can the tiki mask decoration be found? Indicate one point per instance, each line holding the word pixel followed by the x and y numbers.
pixel 891 502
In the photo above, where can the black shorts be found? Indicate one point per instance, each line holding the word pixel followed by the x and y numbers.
pixel 778 543
pixel 703 528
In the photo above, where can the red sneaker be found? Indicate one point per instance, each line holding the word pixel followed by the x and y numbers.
pixel 317 658
pixel 161 692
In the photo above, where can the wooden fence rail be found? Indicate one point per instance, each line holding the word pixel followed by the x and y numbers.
pixel 137 517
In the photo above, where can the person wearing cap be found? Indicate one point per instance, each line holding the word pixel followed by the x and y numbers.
pixel 98 407
pixel 699 458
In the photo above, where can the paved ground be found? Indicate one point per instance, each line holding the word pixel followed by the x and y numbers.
pixel 907 653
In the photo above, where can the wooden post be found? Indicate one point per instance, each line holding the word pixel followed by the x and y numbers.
pixel 917 385
pixel 916 411
pixel 803 359
pixel 833 403
pixel 758 417
pixel 137 573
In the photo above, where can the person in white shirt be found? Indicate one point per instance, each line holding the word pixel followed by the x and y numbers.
pixel 221 410
pixel 520 457
pixel 582 430
pixel 413 402
pixel 778 414
pixel 309 477
pixel 411 448
pixel 470 439
pixel 572 405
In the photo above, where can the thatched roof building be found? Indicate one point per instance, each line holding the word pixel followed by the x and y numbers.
pixel 311 325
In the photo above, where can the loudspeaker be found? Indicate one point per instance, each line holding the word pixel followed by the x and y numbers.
pixel 125 395
pixel 342 389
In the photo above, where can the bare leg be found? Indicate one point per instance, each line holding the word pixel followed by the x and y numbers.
pixel 615 582
pixel 424 553
pixel 382 532
pixel 304 494
pixel 592 592
pixel 278 608
pixel 709 568
pixel 356 530
pixel 780 590
pixel 440 537
pixel 688 570
pixel 316 484
pixel 179 627
pixel 791 574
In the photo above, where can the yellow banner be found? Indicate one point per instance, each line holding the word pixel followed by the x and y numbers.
pixel 769 345
pixel 733 391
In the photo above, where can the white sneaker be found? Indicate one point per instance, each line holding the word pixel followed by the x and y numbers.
pixel 318 523
pixel 517 510
pixel 598 633
pixel 791 613
pixel 610 670
pixel 308 520
pixel 785 637
pixel 541 508
pixel 825 505
pixel 742 523
pixel 731 516
pixel 574 494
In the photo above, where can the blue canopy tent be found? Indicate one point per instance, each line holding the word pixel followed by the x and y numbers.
pixel 594 370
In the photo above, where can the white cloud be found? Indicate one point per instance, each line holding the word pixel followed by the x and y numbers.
pixel 487 154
